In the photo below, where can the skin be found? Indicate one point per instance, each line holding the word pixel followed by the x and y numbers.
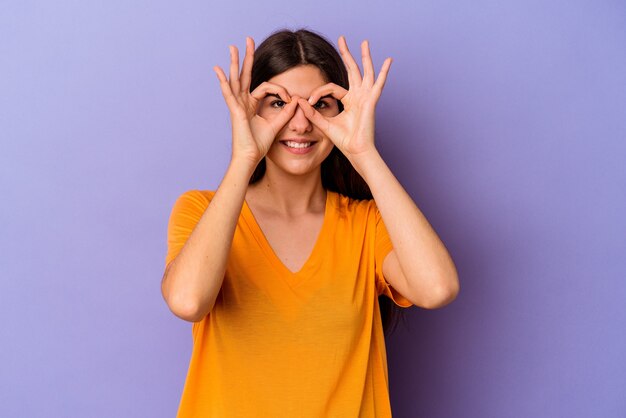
pixel 289 201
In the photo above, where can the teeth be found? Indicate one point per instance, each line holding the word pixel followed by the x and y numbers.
pixel 293 144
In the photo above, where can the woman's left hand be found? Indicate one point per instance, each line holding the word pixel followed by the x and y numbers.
pixel 352 130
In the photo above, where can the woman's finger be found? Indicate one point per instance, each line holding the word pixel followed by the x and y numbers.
pixel 234 68
pixel 315 117
pixel 283 116
pixel 246 68
pixel 231 101
pixel 368 66
pixel 382 76
pixel 332 89
pixel 354 73
pixel 267 88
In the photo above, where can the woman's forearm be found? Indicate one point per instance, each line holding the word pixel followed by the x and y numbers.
pixel 423 258
pixel 194 278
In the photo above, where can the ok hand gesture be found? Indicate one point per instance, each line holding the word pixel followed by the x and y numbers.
pixel 252 135
pixel 352 130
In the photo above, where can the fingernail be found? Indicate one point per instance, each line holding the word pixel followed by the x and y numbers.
pixel 310 100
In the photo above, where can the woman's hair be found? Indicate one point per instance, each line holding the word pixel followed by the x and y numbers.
pixel 286 49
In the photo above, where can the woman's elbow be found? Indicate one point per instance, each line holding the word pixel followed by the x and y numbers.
pixel 187 311
pixel 183 307
pixel 444 294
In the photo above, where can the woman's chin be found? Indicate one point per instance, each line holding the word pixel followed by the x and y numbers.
pixel 292 167
pixel 295 165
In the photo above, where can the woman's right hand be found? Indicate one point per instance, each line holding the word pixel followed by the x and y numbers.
pixel 252 135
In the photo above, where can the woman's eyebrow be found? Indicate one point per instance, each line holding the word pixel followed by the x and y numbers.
pixel 328 96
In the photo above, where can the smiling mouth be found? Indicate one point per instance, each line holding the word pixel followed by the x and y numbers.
pixel 298 145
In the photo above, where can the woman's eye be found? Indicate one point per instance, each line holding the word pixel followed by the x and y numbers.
pixel 277 104
pixel 320 105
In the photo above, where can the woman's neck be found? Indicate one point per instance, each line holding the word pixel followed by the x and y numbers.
pixel 290 195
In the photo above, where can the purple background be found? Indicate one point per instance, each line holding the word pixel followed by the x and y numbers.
pixel 506 121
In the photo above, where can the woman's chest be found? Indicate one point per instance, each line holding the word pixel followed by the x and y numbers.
pixel 292 240
pixel 334 290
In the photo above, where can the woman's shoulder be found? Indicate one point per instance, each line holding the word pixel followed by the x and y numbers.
pixel 195 198
pixel 206 194
pixel 351 205
pixel 198 194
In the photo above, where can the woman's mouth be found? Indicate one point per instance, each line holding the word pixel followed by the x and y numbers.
pixel 294 144
pixel 298 147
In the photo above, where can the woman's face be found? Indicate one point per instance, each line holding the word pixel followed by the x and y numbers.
pixel 300 147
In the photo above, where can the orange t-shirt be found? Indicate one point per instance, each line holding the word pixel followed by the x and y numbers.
pixel 282 344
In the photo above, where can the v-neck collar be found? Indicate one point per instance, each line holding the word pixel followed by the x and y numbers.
pixel 314 256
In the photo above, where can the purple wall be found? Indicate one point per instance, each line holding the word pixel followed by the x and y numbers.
pixel 505 122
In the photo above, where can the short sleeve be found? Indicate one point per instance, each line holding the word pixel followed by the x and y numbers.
pixel 383 247
pixel 185 215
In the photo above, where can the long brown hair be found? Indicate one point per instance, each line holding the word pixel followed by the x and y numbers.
pixel 285 49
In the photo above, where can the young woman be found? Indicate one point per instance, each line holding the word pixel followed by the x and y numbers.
pixel 284 268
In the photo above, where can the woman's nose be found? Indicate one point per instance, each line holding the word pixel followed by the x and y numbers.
pixel 299 122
